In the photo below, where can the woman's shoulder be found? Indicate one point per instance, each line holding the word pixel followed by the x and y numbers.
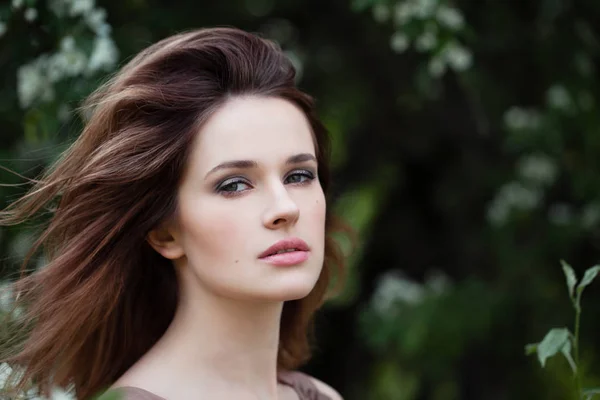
pixel 128 393
pixel 325 389
pixel 305 382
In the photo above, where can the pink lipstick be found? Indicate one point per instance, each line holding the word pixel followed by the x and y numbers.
pixel 286 252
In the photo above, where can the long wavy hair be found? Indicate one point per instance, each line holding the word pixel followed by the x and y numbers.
pixel 104 296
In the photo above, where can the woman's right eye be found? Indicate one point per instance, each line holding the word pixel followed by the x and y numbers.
pixel 232 187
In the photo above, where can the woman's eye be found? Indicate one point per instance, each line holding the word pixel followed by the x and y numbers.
pixel 233 187
pixel 300 177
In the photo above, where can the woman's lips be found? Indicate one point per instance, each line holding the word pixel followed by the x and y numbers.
pixel 287 259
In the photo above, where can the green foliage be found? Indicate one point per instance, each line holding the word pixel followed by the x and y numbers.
pixel 561 339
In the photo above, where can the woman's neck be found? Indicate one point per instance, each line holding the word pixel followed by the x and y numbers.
pixel 219 345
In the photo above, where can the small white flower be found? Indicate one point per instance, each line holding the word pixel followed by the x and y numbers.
pixel 538 169
pixel 450 17
pixel 104 55
pixel 512 195
pixel 5 371
pixel 426 41
pixel 403 12
pixel 392 287
pixel 590 216
pixel 517 118
pixel 17 4
pixel 81 7
pixel 437 281
pixel 31 14
pixel 399 42
pixel 67 43
pixel 436 66
pixel 3 28
pixel 381 12
pixel 558 97
pixel 96 20
pixel 6 297
pixel 31 83
pixel 458 57
pixel 58 7
pixel 425 8
pixel 498 212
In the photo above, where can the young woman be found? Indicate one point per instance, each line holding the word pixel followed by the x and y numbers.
pixel 189 242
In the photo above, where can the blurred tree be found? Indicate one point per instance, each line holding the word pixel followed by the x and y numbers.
pixel 466 156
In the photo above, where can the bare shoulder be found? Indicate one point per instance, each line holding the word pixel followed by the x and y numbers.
pixel 326 389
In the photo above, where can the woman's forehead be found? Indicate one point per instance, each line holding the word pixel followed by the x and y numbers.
pixel 261 129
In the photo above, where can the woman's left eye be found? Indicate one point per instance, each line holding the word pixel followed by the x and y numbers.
pixel 300 177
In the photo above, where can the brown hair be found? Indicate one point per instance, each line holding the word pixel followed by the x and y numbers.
pixel 105 296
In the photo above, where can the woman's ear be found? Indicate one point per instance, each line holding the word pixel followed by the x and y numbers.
pixel 165 239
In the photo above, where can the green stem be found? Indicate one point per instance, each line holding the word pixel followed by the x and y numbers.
pixel 576 348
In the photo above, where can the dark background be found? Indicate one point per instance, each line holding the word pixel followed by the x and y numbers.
pixel 467 143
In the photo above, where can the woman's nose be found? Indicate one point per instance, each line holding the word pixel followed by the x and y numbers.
pixel 283 210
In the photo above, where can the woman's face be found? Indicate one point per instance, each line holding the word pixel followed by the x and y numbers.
pixel 251 182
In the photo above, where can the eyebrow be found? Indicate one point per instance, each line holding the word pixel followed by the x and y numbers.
pixel 245 164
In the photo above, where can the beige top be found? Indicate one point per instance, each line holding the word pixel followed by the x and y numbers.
pixel 298 381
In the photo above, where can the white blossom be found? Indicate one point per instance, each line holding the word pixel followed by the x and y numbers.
pixel 436 66
pixel 403 12
pixel 393 288
pixel 450 17
pixel 426 41
pixel 67 43
pixel 81 7
pixel 104 55
pixel 399 42
pixel 381 12
pixel 517 118
pixel 17 4
pixel 458 57
pixel 512 196
pixel 590 215
pixel 437 281
pixel 96 21
pixel 558 97
pixel 6 297
pixel 424 8
pixel 32 84
pixel 538 169
pixel 31 14
pixel 58 7
pixel 5 371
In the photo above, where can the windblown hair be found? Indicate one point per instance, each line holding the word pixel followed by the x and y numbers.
pixel 105 296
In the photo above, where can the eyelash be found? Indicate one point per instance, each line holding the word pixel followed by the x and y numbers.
pixel 308 175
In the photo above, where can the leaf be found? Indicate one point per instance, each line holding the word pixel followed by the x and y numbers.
pixel 571 277
pixel 553 342
pixel 588 277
